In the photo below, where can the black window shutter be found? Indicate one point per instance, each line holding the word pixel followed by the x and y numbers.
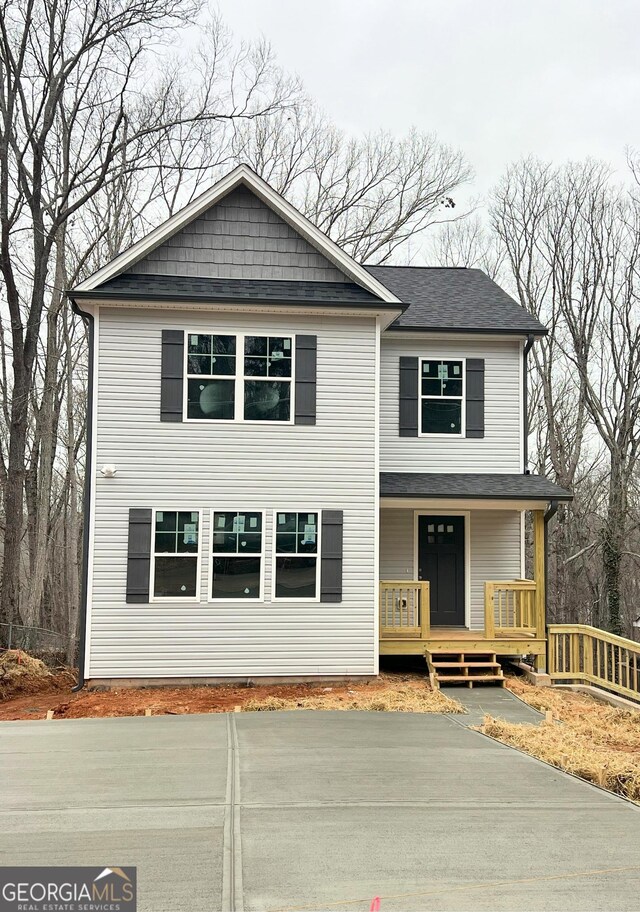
pixel 331 560
pixel 306 379
pixel 475 397
pixel 139 556
pixel 408 409
pixel 172 375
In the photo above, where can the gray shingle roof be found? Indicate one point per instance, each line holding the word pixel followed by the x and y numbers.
pixel 456 300
pixel 138 286
pixel 493 487
pixel 452 300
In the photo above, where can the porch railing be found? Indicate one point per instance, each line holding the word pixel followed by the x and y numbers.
pixel 511 607
pixel 587 655
pixel 404 609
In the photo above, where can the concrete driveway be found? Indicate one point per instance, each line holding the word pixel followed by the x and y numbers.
pixel 322 810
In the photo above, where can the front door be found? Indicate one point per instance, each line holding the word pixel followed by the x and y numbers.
pixel 441 561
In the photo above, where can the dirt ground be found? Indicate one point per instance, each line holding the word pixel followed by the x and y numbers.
pixel 392 691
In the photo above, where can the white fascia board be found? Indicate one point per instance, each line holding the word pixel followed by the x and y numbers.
pixel 240 175
pixel 242 307
pixel 440 505
pixel 452 335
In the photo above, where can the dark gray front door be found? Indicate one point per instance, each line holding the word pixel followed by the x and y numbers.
pixel 441 561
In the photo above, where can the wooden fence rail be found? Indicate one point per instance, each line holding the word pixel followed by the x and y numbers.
pixel 511 607
pixel 587 655
pixel 404 609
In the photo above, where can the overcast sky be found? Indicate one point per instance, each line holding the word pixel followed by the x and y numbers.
pixel 498 79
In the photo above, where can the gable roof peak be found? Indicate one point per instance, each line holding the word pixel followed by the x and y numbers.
pixel 241 175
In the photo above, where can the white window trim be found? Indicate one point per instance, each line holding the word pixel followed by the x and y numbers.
pixel 198 555
pixel 463 399
pixel 236 601
pixel 274 554
pixel 238 378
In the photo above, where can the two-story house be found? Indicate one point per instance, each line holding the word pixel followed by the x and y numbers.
pixel 297 463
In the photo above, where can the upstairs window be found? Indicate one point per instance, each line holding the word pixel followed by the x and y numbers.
pixel 176 554
pixel 267 378
pixel 239 377
pixel 296 556
pixel 211 376
pixel 441 396
pixel 236 555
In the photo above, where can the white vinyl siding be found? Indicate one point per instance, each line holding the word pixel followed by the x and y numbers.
pixel 494 545
pixel 500 450
pixel 239 467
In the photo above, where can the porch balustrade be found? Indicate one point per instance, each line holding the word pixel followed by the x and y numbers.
pixel 404 609
pixel 512 608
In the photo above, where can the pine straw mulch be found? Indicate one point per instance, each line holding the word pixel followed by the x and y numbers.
pixel 406 697
pixel 591 739
pixel 21 673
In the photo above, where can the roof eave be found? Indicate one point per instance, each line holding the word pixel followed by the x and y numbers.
pixel 465 495
pixel 486 331
pixel 98 295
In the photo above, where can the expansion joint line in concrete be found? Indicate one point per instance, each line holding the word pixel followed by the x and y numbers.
pixel 232 893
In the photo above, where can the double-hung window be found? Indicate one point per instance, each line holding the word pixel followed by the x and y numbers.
pixel 236 554
pixel 211 376
pixel 176 554
pixel 267 378
pixel 297 550
pixel 239 377
pixel 441 396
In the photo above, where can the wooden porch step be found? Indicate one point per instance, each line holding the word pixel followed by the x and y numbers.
pixel 468 667
pixel 470 680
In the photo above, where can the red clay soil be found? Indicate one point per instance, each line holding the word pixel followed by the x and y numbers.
pixel 177 700
pixel 34 701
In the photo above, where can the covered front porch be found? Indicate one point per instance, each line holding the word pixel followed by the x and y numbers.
pixel 453 570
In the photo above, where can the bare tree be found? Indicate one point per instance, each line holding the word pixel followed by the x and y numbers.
pixel 81 107
pixel 469 243
pixel 371 195
pixel 572 241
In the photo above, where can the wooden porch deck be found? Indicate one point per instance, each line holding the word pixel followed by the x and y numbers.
pixel 514 622
pixel 460 639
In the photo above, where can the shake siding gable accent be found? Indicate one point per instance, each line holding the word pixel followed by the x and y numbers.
pixel 138 556
pixel 306 379
pixel 331 558
pixel 240 238
pixel 408 397
pixel 499 450
pixel 474 419
pixel 266 466
pixel 172 367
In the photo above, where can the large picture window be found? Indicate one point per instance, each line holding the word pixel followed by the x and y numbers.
pixel 296 555
pixel 441 396
pixel 239 377
pixel 176 554
pixel 236 555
